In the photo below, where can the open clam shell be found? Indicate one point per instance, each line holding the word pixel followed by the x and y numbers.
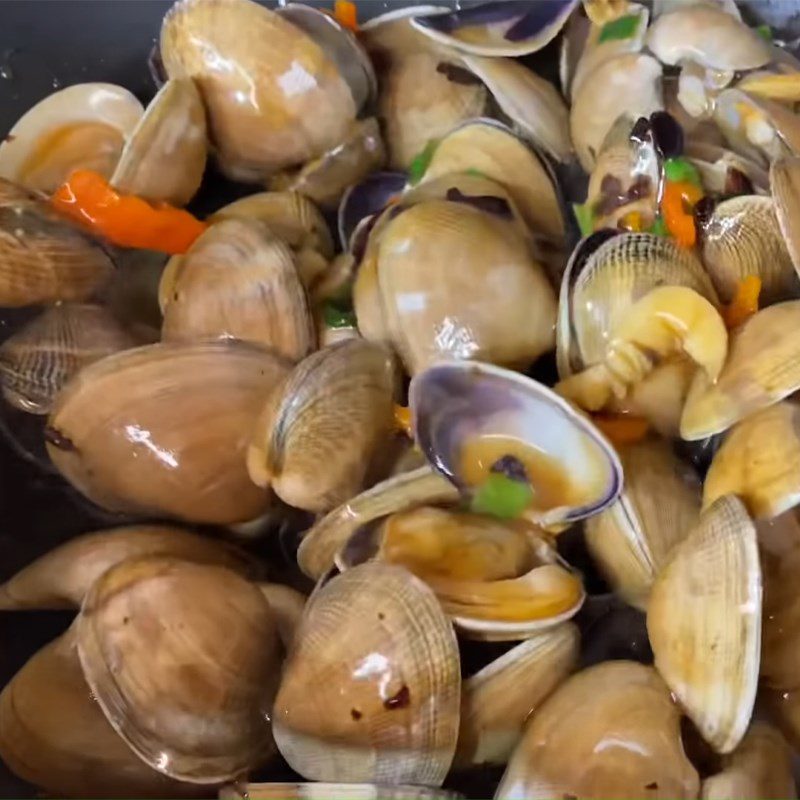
pixel 163 429
pixel 660 503
pixel 81 127
pixel 333 791
pixel 704 623
pixel 504 28
pixel 611 730
pixel 204 730
pixel 456 403
pixel 366 198
pixel 371 688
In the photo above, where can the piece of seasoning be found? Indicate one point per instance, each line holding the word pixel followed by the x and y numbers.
pixel 419 166
pixel 622 429
pixel 620 28
pixel 584 217
pixel 680 170
pixel 402 420
pixel 677 207
pixel 632 221
pixel 337 317
pixel 744 303
pixel 125 220
pixel 764 31
pixel 346 14
pixel 501 496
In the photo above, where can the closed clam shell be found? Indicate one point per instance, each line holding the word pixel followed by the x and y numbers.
pixel 240 281
pixel 62 576
pixel 163 429
pixel 759 461
pixel 200 710
pixel 597 290
pixel 240 53
pixel 314 440
pixel 660 503
pixel 54 735
pixel 496 153
pixel 448 306
pixel 371 688
pixel 784 182
pixel 333 791
pixel 742 238
pixel 41 357
pixel 761 766
pixel 707 35
pixel 611 730
pixel 44 258
pixel 287 606
pixel 762 368
pixel 628 85
pixel 498 700
pixel 324 540
pixel 704 622
pixel 165 156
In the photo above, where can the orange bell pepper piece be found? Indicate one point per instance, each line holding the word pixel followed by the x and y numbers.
pixel 622 429
pixel 676 207
pixel 744 303
pixel 402 420
pixel 125 220
pixel 345 13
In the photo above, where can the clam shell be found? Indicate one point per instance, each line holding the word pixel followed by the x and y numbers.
pixel 628 85
pixel 784 183
pixel 371 688
pixel 660 503
pixel 364 199
pixel 240 53
pixel 503 28
pixel 759 461
pixel 742 238
pixel 165 156
pixel 81 127
pixel 762 368
pixel 707 35
pixel 43 258
pixel 287 606
pixel 704 623
pixel 453 401
pixel 41 357
pixel 162 430
pixel 497 154
pixel 328 536
pixel 239 281
pixel 204 726
pixel 498 700
pixel 332 791
pixel 610 731
pixel 316 436
pixel 62 576
pixel 54 735
pixel 761 766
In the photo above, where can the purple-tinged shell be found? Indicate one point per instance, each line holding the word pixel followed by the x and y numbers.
pixel 454 401
pixel 365 199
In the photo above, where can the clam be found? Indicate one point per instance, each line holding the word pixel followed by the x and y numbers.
pixel 62 577
pixel 371 688
pixel 533 104
pixel 497 580
pixel 81 127
pixel 784 183
pixel 294 219
pixel 54 735
pixel 287 606
pixel 707 35
pixel 704 622
pixel 627 85
pixel 761 369
pixel 497 154
pixel 317 434
pixel 660 502
pixel 498 700
pixel 761 766
pixel 42 356
pixel 200 710
pixel 239 280
pixel 165 155
pixel 721 170
pixel 275 98
pixel 163 429
pixel 325 179
pixel 332 791
pixel 468 417
pixel 612 730
pixel 43 258
pixel 329 535
pixel 505 28
pixel 364 199
pixel 759 462
pixel 742 238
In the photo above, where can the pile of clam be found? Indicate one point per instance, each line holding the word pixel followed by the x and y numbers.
pixel 563 554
